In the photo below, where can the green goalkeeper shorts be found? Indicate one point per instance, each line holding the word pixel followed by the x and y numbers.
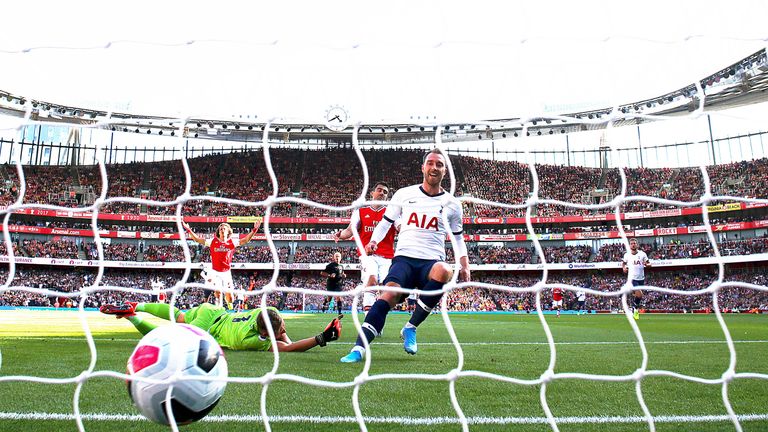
pixel 204 316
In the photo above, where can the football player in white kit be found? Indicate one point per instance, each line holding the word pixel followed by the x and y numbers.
pixel 419 260
pixel 634 263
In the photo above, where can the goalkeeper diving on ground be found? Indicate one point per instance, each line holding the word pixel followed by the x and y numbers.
pixel 235 331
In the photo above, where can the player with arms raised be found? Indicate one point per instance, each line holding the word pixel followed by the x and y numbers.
pixel 222 247
pixel 419 260
pixel 364 220
pixel 557 299
pixel 635 261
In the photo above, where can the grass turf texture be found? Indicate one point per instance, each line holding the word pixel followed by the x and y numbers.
pixel 50 344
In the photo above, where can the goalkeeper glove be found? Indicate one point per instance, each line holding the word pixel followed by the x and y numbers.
pixel 331 333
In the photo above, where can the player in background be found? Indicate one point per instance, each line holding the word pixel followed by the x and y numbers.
pixel 158 293
pixel 634 263
pixel 335 281
pixel 411 302
pixel 581 297
pixel 235 331
pixel 557 299
pixel 419 260
pixel 374 268
pixel 222 247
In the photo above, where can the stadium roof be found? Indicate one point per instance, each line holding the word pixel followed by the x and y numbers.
pixel 391 66
pixel 741 83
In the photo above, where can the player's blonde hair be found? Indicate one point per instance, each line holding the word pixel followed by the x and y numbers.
pixel 275 321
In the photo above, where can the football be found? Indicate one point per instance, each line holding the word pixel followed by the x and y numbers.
pixel 170 350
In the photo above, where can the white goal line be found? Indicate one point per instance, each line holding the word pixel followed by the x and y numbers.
pixel 411 421
pixel 670 342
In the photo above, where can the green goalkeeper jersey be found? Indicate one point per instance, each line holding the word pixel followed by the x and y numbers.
pixel 238 331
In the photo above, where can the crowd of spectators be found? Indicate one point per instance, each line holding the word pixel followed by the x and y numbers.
pixel 112 251
pixel 500 255
pixel 470 298
pixel 316 175
pixel 499 181
pixel 323 254
pixel 567 254
pixel 680 250
pixel 51 249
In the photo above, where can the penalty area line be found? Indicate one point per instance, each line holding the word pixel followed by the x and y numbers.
pixel 421 421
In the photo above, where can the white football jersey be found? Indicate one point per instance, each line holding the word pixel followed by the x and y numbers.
pixel 422 231
pixel 581 295
pixel 636 264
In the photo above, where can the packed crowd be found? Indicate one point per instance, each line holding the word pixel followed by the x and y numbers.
pixel 499 255
pixel 471 298
pixel 323 254
pixel 679 250
pixel 50 249
pixel 304 173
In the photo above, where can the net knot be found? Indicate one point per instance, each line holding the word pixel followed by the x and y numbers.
pixel 728 376
pixel 361 379
pixel 453 375
pixel 638 375
pixel 547 376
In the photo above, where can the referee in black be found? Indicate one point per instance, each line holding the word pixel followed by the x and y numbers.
pixel 335 275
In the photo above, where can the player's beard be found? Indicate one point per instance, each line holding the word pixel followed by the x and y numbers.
pixel 434 180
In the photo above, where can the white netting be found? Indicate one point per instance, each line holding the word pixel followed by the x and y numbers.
pixel 547 377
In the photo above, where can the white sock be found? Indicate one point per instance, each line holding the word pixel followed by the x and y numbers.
pixel 409 325
pixel 359 349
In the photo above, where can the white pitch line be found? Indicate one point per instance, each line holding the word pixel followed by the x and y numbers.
pixel 397 420
pixel 671 342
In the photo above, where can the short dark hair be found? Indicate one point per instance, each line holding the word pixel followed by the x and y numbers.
pixel 435 151
pixel 275 321
pixel 382 183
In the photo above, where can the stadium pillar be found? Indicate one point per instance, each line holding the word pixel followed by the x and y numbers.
pixel 568 149
pixel 111 142
pixel 640 146
pixel 711 140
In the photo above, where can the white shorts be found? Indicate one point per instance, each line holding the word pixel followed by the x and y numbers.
pixel 557 303
pixel 374 265
pixel 219 279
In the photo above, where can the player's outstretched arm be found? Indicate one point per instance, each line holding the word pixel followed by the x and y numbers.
pixel 344 234
pixel 331 333
pixel 192 235
pixel 250 235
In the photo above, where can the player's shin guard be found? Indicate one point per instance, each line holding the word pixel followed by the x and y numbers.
pixel 374 321
pixel 637 301
pixel 426 303
pixel 142 326
pixel 160 310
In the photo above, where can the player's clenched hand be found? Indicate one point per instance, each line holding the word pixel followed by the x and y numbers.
pixel 464 274
pixel 371 247
pixel 331 333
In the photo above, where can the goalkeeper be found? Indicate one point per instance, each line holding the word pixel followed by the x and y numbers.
pixel 236 331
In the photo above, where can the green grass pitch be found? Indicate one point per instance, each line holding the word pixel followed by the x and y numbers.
pixel 50 344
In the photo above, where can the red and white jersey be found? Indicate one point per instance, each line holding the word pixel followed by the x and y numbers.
pixel 557 294
pixel 366 219
pixel 221 253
